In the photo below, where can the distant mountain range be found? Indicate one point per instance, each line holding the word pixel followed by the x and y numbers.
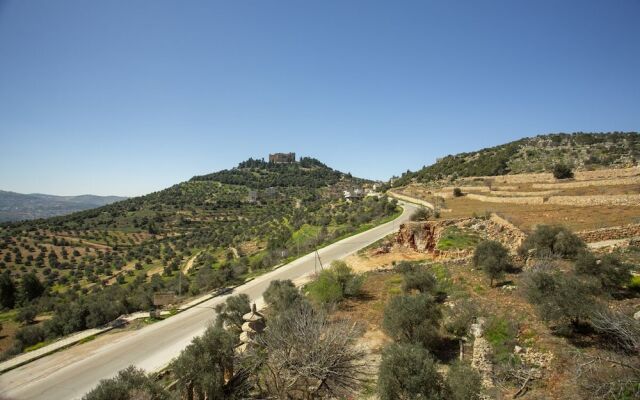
pixel 18 206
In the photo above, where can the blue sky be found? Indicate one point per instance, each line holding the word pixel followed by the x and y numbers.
pixel 128 96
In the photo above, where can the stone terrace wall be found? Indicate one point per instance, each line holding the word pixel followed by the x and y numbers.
pixel 523 194
pixel 579 176
pixel 632 180
pixel 611 233
pixel 598 200
pixel 411 199
pixel 508 200
pixel 514 235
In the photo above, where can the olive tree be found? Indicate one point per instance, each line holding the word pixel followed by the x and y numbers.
pixel 493 258
pixel 414 319
pixel 552 240
pixel 304 355
pixel 130 383
pixel 281 295
pixel 407 372
pixel 201 366
pixel 231 311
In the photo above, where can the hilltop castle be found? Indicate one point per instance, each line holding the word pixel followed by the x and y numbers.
pixel 282 158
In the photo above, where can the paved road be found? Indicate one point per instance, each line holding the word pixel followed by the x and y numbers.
pixel 71 373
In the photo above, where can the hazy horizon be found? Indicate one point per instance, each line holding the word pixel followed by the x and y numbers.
pixel 121 98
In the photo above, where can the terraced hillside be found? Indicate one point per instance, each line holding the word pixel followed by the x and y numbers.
pixel 581 151
pixel 222 228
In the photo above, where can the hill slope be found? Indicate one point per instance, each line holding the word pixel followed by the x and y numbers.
pixel 537 154
pixel 17 206
pixel 228 226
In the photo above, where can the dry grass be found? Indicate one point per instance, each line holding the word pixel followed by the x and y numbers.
pixel 526 217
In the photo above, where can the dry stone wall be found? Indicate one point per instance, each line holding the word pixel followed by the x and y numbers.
pixel 523 194
pixel 611 233
pixel 632 180
pixel 598 200
pixel 508 200
pixel 411 199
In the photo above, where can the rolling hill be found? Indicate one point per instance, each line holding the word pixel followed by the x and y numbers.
pixel 224 227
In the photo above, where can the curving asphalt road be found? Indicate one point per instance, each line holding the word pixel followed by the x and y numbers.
pixel 71 373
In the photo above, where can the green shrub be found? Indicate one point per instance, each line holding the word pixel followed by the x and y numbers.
pixel 231 311
pixel 30 335
pixel 460 317
pixel 281 295
pixel 493 258
pixel 421 214
pixel 408 372
pixel 457 192
pixel 634 283
pixel 562 171
pixel 414 319
pixel 334 284
pixel 561 299
pixel 27 314
pixel 552 240
pixel 130 383
pixel 404 267
pixel 610 271
pixel 201 366
pixel 463 382
pixel 420 280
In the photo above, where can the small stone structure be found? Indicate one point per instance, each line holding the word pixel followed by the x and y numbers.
pixel 253 325
pixel 282 158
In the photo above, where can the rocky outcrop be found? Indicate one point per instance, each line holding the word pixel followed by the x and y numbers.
pixel 424 236
pixel 421 236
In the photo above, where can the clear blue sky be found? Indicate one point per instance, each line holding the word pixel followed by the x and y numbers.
pixel 127 96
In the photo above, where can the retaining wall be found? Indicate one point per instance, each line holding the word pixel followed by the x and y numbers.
pixel 508 200
pixel 598 200
pixel 610 233
pixel 631 180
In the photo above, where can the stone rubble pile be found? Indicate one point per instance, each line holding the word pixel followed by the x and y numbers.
pixel 481 359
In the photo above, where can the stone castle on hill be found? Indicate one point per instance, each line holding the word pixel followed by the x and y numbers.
pixel 282 158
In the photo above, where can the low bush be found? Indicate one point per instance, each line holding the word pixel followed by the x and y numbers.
pixel 408 372
pixel 562 171
pixel 334 284
pixel 565 300
pixel 413 319
pixel 281 295
pixel 457 192
pixel 130 383
pixel 493 258
pixel 610 271
pixel 552 240
pixel 463 382
pixel 419 280
pixel 421 214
